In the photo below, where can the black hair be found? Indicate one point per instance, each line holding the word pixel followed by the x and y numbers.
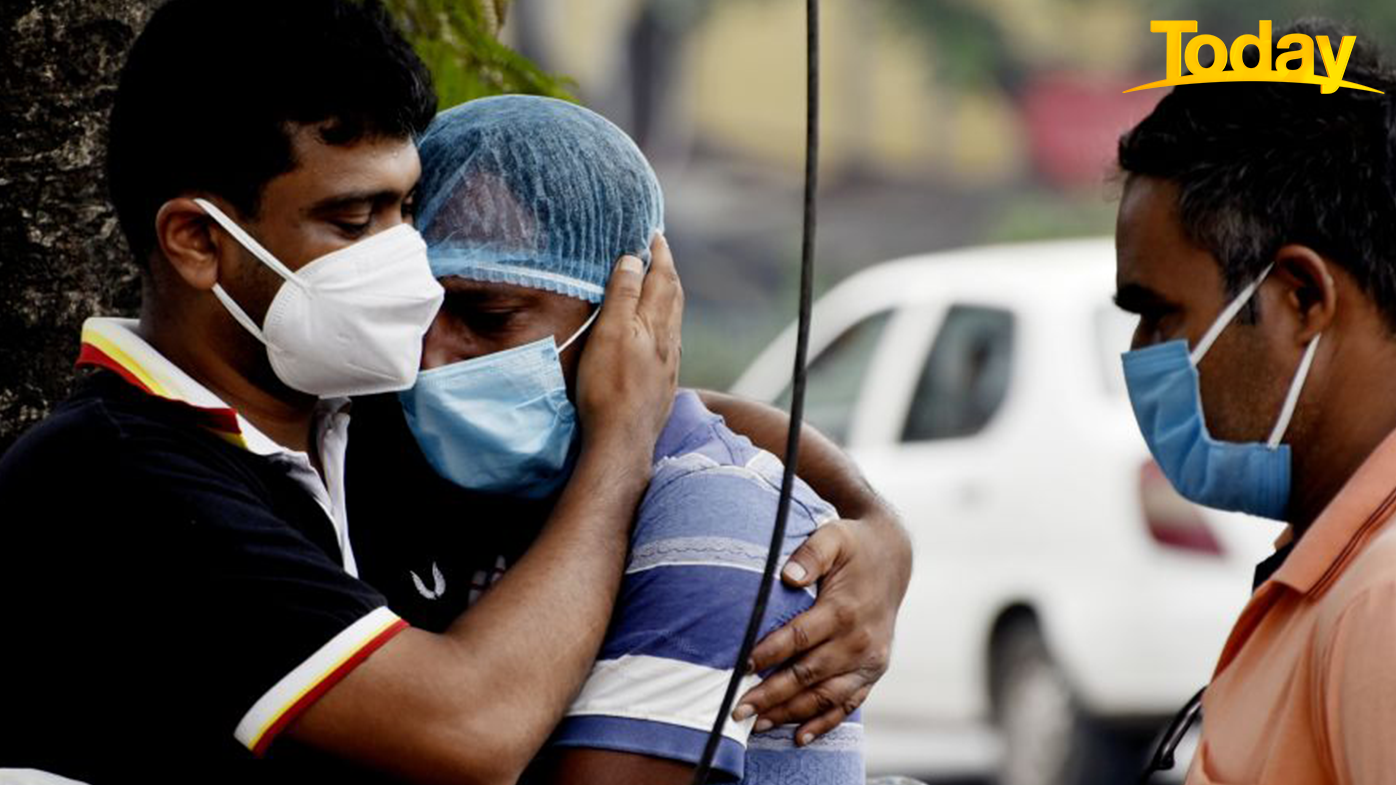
pixel 1259 165
pixel 213 89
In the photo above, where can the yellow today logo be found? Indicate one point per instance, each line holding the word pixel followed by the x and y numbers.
pixel 1301 51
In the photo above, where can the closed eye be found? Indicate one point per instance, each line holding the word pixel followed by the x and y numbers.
pixel 488 322
pixel 480 319
pixel 353 229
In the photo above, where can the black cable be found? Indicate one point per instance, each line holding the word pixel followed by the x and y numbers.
pixel 797 394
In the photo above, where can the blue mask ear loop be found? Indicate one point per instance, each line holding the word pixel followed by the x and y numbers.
pixel 1292 397
pixel 1295 386
pixel 1224 318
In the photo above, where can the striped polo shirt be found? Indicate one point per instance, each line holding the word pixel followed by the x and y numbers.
pixel 695 564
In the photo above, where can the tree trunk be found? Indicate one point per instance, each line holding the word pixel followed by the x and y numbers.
pixel 62 256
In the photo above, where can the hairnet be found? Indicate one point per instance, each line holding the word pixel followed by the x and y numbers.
pixel 535 192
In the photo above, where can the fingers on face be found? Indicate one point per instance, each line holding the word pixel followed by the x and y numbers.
pixel 624 289
pixel 662 300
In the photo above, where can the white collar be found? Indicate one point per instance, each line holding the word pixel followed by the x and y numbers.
pixel 116 344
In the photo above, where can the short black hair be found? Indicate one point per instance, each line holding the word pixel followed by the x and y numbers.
pixel 1259 165
pixel 212 90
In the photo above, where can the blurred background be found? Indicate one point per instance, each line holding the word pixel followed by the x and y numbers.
pixel 1066 602
pixel 946 123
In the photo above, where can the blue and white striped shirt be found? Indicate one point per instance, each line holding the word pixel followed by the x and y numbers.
pixel 694 568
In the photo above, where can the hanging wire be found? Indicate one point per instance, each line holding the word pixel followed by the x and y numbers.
pixel 797 394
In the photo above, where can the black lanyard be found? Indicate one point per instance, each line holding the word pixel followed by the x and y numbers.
pixel 1177 729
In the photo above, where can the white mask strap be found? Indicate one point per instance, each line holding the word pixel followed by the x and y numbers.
pixel 578 334
pixel 248 242
pixel 239 315
pixel 1228 313
pixel 1292 397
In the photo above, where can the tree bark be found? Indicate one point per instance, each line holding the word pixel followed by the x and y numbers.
pixel 62 255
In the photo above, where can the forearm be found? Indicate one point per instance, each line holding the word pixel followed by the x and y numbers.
pixel 474 704
pixel 585 766
pixel 532 639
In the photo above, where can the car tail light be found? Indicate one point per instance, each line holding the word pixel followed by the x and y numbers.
pixel 1173 521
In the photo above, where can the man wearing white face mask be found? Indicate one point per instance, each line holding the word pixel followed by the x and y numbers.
pixel 189 602
pixel 182 588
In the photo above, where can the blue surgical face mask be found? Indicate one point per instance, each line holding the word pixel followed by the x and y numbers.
pixel 501 423
pixel 1163 388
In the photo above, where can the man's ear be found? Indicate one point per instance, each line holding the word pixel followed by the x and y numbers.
pixel 188 241
pixel 1311 293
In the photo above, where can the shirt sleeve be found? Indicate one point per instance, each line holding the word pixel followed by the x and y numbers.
pixel 176 603
pixel 692 576
pixel 282 605
pixel 1360 696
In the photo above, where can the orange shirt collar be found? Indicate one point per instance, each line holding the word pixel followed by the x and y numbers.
pixel 1366 499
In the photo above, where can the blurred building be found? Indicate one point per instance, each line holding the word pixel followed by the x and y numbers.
pixel 929 139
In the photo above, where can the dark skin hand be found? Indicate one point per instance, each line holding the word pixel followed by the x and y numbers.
pixel 1177 290
pixel 836 650
pixel 413 709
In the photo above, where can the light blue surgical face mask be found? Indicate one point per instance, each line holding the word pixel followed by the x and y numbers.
pixel 501 423
pixel 1163 388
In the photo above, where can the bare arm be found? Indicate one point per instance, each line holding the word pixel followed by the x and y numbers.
pixel 474 704
pixel 836 651
pixel 584 766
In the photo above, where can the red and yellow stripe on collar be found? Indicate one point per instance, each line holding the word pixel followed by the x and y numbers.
pixel 101 350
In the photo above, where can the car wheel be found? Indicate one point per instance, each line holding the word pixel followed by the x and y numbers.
pixel 1047 739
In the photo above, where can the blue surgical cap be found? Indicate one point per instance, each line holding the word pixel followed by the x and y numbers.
pixel 535 192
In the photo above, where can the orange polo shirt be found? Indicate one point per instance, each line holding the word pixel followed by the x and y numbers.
pixel 1305 691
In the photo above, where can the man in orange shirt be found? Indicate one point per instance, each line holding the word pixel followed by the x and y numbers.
pixel 1257 218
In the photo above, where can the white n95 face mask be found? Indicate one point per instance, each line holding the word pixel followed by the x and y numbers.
pixel 350 322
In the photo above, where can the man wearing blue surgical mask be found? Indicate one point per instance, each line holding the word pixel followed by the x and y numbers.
pixel 520 199
pixel 1255 241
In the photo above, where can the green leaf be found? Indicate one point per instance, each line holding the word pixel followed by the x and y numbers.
pixel 457 41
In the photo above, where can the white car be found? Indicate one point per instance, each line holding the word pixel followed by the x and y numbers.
pixel 1066 601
